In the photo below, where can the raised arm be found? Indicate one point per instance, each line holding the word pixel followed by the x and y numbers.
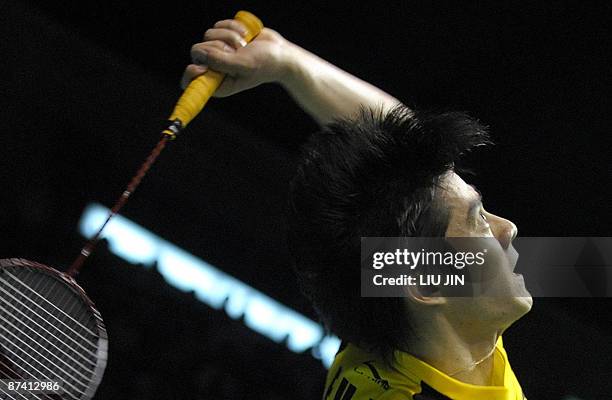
pixel 323 90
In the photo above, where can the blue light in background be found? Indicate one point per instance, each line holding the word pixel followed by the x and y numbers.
pixel 210 285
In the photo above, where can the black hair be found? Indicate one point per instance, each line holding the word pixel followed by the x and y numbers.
pixel 372 175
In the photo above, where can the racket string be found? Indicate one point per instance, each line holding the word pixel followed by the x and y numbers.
pixel 53 364
pixel 43 324
pixel 15 375
pixel 61 301
pixel 48 302
pixel 6 369
pixel 8 376
pixel 50 334
pixel 74 376
pixel 66 378
pixel 43 348
pixel 61 322
pixel 7 395
pixel 54 377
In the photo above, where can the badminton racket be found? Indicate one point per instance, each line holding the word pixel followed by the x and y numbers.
pixel 50 331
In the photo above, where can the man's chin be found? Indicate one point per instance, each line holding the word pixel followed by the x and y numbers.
pixel 524 303
pixel 523 297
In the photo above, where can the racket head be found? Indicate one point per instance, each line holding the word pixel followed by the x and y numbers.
pixel 50 329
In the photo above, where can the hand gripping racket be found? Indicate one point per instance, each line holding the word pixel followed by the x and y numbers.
pixel 49 329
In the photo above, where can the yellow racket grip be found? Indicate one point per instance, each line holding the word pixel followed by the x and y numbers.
pixel 202 88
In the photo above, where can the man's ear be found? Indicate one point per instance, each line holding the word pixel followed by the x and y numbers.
pixel 424 295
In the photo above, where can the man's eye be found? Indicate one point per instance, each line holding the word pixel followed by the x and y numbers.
pixel 483 216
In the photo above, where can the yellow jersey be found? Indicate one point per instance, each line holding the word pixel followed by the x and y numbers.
pixel 358 375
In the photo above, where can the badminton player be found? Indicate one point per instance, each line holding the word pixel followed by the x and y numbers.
pixel 378 168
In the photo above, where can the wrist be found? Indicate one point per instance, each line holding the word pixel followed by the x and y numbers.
pixel 291 60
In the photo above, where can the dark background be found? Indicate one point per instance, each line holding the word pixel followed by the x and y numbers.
pixel 86 87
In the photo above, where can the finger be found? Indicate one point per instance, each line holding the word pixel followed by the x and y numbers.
pixel 200 51
pixel 228 36
pixel 192 71
pixel 225 61
pixel 233 25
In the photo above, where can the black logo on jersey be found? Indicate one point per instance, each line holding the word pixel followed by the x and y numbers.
pixel 345 391
pixel 372 374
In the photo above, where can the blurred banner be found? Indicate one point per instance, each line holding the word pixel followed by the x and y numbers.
pixel 210 285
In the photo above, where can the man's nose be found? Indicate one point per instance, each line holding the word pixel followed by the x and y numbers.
pixel 504 230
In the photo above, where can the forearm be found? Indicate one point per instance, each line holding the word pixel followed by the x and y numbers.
pixel 325 91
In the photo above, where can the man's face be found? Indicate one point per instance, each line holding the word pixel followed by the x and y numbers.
pixel 505 297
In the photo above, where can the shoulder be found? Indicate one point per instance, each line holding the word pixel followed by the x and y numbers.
pixel 359 375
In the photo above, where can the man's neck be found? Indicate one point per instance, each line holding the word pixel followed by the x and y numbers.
pixel 466 356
